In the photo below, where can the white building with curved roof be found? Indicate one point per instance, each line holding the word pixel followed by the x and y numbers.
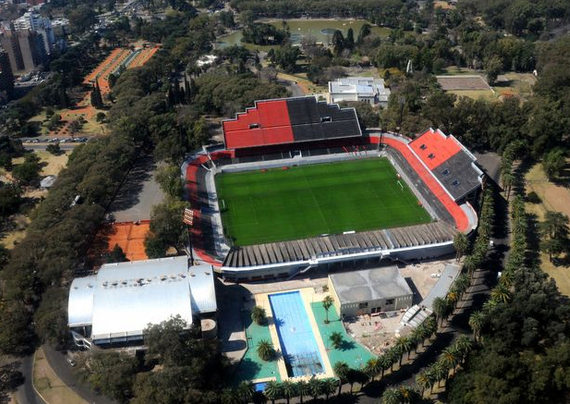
pixel 122 299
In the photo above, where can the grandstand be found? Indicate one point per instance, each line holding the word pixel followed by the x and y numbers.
pixel 286 134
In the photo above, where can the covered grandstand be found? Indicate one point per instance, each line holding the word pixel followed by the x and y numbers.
pixel 446 203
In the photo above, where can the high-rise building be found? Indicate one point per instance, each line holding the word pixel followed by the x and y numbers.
pixel 6 76
pixel 25 49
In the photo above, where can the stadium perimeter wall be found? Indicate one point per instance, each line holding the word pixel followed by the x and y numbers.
pixel 210 247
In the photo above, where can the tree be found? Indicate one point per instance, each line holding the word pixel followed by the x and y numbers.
pixel 168 177
pixel 403 345
pixel 112 374
pixel 166 228
pixel 289 389
pixel 265 350
pixel 286 57
pixel 100 117
pixel 440 309
pixel 82 18
pixel 302 389
pixel 54 122
pixel 338 42
pixel 315 387
pixel 27 172
pixel 553 163
pixel 373 367
pixel 341 370
pixel 116 255
pixel 493 67
pixel 53 148
pixel 16 334
pixel 349 41
pixel 327 304
pixel 460 243
pixel 10 199
pixel 328 387
pixel 258 315
pixel 246 390
pixel 75 126
pixel 425 380
pixel 273 390
pixel 336 339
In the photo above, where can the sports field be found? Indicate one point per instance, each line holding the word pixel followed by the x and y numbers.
pixel 300 202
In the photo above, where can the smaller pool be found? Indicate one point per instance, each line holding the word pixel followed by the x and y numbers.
pixel 260 387
pixel 298 343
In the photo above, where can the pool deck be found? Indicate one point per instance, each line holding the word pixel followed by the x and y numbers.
pixel 308 296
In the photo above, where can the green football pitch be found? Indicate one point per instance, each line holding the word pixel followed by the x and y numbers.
pixel 300 202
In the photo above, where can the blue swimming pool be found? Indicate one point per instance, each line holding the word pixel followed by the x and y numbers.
pixel 296 337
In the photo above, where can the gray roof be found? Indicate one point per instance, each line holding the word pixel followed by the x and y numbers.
pixel 370 284
pixel 338 244
pixel 442 286
pixel 363 86
pixel 459 175
pixel 123 298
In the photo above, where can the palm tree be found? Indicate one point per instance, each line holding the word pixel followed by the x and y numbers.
pixel 289 389
pixel 329 387
pixel 476 321
pixel 403 345
pixel 265 350
pixel 245 391
pixel 463 345
pixel 386 363
pixel 460 243
pixel 230 396
pixel 440 309
pixel 439 372
pixel 393 357
pixel 302 389
pixel 391 396
pixel 424 380
pixel 431 325
pixel 341 370
pixel 449 358
pixel 258 315
pixel 336 339
pixel 272 390
pixel 461 284
pixel 327 303
pixel 315 387
pixel 500 294
pixel 373 367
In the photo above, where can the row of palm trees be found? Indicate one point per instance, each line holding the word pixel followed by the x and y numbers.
pixel 504 289
pixel 449 359
pixel 287 390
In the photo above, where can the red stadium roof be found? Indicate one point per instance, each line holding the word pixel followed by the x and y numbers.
pixel 434 147
pixel 289 120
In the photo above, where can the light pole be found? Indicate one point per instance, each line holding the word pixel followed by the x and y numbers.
pixel 188 218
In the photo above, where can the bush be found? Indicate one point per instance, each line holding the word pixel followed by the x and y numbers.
pixel 54 149
pixel 533 197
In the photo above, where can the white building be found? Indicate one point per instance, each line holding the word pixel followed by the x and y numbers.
pixel 367 89
pixel 116 305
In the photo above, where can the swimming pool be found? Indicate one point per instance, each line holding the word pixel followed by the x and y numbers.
pixel 296 337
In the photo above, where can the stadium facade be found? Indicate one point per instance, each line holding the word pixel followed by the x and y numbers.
pixel 439 170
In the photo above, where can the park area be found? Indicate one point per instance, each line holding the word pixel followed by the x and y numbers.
pixel 553 197
pixel 306 201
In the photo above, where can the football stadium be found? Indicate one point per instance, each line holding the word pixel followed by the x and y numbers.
pixel 298 185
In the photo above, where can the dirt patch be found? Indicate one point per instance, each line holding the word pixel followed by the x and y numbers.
pixel 468 82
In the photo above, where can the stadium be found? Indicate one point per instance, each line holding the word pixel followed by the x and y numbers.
pixel 298 185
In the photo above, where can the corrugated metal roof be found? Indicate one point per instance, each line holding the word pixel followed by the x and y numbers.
pixel 80 306
pixel 126 297
pixel 370 284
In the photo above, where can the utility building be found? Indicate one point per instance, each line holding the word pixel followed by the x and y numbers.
pixel 370 291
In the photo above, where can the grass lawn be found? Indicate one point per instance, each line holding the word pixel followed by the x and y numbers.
pixel 50 386
pixel 350 352
pixel 252 366
pixel 300 202
pixel 487 95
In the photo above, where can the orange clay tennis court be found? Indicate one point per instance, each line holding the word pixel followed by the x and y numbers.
pixel 130 237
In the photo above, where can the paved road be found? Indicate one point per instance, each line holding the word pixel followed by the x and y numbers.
pixel 293 87
pixel 43 146
pixel 25 393
pixel 58 362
